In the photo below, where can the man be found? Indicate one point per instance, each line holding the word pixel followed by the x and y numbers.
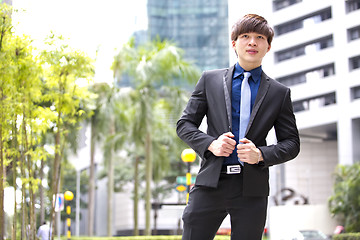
pixel 44 232
pixel 233 177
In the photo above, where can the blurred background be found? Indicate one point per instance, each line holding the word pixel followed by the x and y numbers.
pixel 315 52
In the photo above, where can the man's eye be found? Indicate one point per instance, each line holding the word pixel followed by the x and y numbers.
pixel 261 37
pixel 245 36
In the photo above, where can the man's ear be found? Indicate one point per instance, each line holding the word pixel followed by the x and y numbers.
pixel 233 44
pixel 269 47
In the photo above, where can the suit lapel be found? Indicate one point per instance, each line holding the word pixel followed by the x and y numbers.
pixel 227 81
pixel 263 88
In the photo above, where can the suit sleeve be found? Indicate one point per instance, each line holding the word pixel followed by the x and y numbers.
pixel 288 142
pixel 188 125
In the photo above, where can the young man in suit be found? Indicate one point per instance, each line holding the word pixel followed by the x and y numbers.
pixel 233 176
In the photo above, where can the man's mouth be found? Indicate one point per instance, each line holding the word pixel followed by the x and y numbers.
pixel 251 51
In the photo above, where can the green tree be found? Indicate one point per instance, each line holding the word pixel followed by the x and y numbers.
pixel 152 65
pixel 28 92
pixel 109 126
pixel 5 84
pixel 345 201
pixel 21 89
pixel 107 112
pixel 63 67
pixel 98 122
pixel 32 105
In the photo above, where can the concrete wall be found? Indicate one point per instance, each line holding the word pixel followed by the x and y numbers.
pixel 311 173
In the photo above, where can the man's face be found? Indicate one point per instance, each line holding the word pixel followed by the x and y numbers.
pixel 251 48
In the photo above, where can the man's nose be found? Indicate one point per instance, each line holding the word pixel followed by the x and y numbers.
pixel 252 41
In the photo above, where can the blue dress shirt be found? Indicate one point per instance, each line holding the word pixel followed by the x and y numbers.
pixel 254 83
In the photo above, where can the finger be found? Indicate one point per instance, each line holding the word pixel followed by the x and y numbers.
pixel 242 146
pixel 230 141
pixel 226 152
pixel 229 134
pixel 245 140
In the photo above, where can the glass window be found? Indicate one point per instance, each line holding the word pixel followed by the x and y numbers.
pixel 293 79
pixel 289 54
pixel 315 102
pixel 326 43
pixel 353 33
pixel 288 27
pixel 355 93
pixel 328 71
pixel 314 18
pixel 352 5
pixel 280 4
pixel 309 75
pixel 303 49
pixel 354 63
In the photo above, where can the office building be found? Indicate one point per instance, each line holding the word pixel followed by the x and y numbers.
pixel 316 52
pixel 200 27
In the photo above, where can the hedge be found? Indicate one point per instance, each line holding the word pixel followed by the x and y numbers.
pixel 347 236
pixel 170 237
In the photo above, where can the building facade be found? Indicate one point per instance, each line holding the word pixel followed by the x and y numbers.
pixel 316 52
pixel 200 27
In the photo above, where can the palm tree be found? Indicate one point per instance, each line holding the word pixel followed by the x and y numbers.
pixel 151 65
pixel 110 121
pixel 98 122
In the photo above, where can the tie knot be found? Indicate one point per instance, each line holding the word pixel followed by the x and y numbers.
pixel 247 75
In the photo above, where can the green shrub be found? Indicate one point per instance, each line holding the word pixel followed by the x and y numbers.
pixel 344 203
pixel 347 236
pixel 140 238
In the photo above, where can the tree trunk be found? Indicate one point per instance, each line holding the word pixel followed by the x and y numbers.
pixel 23 199
pixel 56 177
pixel 111 178
pixel 148 169
pixel 136 196
pixel 14 146
pixel 29 227
pixel 91 202
pixel 41 193
pixel 14 224
pixel 14 167
pixel 2 213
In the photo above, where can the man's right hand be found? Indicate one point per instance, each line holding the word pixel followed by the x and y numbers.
pixel 223 146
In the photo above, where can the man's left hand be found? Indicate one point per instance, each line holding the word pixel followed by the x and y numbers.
pixel 248 152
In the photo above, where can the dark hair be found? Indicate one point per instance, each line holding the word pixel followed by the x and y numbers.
pixel 252 23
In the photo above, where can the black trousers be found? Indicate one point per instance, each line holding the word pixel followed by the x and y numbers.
pixel 207 208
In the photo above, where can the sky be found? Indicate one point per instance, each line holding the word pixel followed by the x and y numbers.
pixel 92 25
pixel 89 25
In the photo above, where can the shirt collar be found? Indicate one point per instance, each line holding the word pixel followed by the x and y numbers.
pixel 255 73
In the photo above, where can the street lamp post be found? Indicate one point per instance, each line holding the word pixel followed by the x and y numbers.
pixel 188 156
pixel 68 196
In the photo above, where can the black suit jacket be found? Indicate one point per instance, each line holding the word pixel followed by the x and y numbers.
pixel 272 108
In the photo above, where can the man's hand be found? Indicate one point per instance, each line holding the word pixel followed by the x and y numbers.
pixel 248 152
pixel 223 146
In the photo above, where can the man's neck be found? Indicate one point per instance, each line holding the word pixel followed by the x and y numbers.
pixel 248 66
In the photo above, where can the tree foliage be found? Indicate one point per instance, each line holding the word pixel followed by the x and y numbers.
pixel 345 201
pixel 41 106
pixel 154 68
